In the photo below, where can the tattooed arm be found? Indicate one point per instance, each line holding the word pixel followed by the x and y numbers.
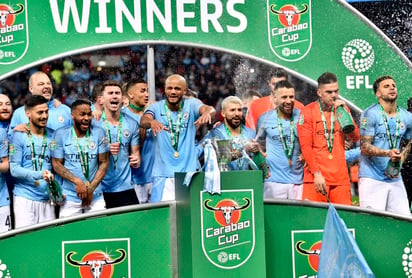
pixel 368 149
pixel 59 168
pixel 406 150
pixel 104 162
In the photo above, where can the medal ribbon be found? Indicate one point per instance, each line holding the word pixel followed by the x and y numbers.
pixel 230 134
pixel 288 149
pixel 392 141
pixel 37 163
pixel 119 133
pixel 135 107
pixel 328 137
pixel 174 132
pixel 84 156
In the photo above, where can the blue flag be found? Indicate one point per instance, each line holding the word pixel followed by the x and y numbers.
pixel 340 255
pixel 212 172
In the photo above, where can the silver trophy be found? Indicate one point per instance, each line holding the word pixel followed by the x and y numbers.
pixel 224 151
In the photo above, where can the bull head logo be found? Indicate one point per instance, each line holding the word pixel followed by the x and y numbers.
pixel 312 254
pixel 96 265
pixel 227 210
pixel 4 13
pixel 306 252
pixel 289 12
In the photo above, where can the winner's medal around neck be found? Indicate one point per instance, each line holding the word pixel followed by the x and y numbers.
pixel 174 129
pixel 109 135
pixel 288 149
pixel 328 136
pixel 37 161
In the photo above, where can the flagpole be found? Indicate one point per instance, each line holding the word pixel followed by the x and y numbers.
pixel 151 72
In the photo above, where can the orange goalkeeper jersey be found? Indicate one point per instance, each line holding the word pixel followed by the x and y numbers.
pixel 315 150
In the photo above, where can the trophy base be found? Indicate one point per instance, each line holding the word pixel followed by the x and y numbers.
pixel 223 167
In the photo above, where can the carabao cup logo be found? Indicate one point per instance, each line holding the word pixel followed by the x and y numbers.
pixel 358 56
pixel 92 258
pixel 14 35
pixel 312 253
pixel 228 229
pixel 289 29
pixel 96 263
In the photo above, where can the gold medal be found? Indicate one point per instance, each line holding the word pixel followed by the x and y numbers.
pixel 290 162
pixel 176 154
pixel 36 183
pixel 330 156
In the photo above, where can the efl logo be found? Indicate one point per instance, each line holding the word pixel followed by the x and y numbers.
pixel 290 28
pixel 407 259
pixel 4 271
pixel 358 56
pixel 228 229
pixel 96 258
pixel 14 35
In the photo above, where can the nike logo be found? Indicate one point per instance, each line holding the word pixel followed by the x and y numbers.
pixel 67 144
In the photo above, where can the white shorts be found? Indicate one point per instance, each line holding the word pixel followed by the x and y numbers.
pixel 143 192
pixel 5 220
pixel 28 212
pixel 275 190
pixel 386 196
pixel 163 189
pixel 73 208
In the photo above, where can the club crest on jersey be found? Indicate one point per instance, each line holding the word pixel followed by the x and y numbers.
pixel 92 145
pixel 60 119
pixel 185 116
pixel 126 133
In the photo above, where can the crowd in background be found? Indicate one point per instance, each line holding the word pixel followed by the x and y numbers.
pixel 213 75
pixel 393 18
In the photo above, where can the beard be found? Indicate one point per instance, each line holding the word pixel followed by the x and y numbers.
pixel 176 101
pixel 234 122
pixel 390 99
pixel 37 125
pixel 79 126
pixel 5 116
pixel 287 112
